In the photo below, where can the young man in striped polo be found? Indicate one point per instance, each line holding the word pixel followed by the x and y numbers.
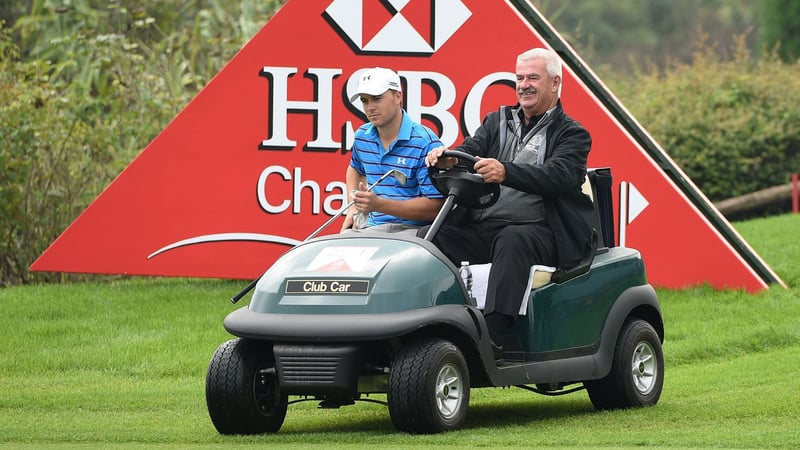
pixel 390 140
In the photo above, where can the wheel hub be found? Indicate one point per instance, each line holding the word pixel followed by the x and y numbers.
pixel 644 367
pixel 449 390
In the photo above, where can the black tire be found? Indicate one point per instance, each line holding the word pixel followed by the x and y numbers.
pixel 637 372
pixel 242 391
pixel 428 387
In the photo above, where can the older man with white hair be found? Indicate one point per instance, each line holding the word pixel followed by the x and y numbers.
pixel 538 155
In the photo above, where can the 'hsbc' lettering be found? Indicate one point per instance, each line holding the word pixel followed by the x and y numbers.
pixel 297 189
pixel 280 106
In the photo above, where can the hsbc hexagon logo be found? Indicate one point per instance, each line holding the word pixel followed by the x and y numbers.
pixel 396 26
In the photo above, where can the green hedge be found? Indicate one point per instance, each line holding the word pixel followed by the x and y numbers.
pixel 62 145
pixel 84 87
pixel 731 123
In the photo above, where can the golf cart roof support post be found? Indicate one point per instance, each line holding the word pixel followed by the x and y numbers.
pixel 443 212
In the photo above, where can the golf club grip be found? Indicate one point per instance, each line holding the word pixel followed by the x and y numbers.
pixel 244 291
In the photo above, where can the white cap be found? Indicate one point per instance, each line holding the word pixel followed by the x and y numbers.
pixel 376 81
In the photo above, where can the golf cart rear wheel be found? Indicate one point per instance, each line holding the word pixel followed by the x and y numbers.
pixel 637 372
pixel 428 387
pixel 242 391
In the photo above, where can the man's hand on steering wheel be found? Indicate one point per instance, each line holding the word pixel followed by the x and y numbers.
pixel 492 170
pixel 462 181
pixel 434 159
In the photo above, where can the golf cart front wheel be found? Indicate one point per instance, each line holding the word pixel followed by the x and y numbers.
pixel 428 387
pixel 637 371
pixel 242 391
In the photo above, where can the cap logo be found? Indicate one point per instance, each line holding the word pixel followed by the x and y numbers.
pixel 406 26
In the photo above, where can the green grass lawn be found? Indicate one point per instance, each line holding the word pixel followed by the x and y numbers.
pixel 122 364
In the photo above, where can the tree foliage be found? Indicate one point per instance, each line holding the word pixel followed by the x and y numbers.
pixel 84 86
pixel 621 35
pixel 730 122
pixel 780 20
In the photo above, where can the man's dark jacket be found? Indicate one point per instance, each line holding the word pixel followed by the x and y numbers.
pixel 558 180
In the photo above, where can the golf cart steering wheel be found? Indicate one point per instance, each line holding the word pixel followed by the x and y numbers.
pixel 461 181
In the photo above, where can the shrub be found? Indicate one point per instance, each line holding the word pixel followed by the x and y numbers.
pixel 732 124
pixel 83 89
pixel 60 148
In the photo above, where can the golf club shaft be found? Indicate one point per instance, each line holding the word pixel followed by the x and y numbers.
pixel 329 221
pixel 253 283
pixel 437 222
pixel 346 207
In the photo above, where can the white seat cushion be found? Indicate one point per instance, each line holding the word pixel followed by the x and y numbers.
pixel 540 276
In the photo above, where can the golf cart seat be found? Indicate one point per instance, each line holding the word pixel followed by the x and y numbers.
pixel 542 275
pixel 596 186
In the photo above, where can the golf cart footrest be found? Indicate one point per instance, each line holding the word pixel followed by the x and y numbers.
pixel 305 369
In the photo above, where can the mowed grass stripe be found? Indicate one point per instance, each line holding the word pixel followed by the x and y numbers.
pixel 121 364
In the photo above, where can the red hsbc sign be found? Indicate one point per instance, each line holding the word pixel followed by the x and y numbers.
pixel 256 161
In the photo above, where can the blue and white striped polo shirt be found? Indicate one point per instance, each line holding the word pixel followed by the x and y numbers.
pixel 406 154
